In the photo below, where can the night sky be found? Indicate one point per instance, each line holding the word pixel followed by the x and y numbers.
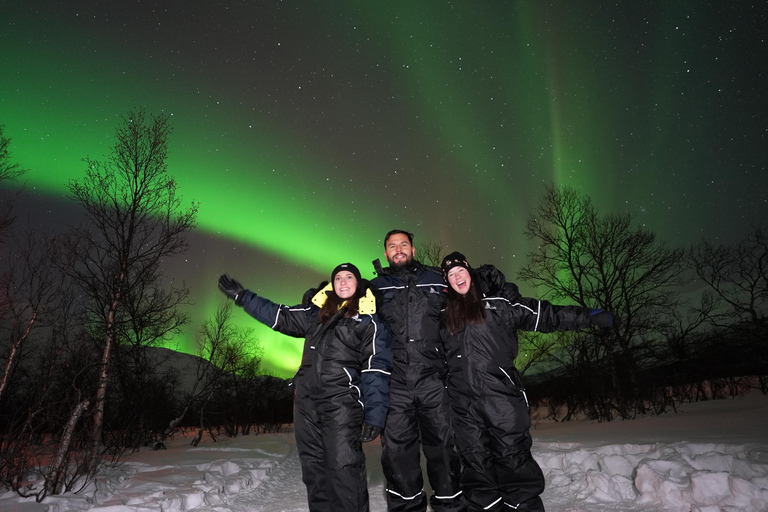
pixel 306 130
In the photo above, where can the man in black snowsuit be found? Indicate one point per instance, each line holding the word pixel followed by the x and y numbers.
pixel 418 417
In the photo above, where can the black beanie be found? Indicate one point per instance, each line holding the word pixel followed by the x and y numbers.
pixel 349 268
pixel 455 259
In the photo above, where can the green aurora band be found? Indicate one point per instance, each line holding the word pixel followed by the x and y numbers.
pixel 306 133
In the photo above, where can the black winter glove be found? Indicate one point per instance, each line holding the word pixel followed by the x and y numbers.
pixel 601 318
pixel 232 289
pixel 370 432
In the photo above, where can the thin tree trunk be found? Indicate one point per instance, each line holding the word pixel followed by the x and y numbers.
pixel 94 453
pixel 199 435
pixel 159 443
pixel 57 470
pixel 12 356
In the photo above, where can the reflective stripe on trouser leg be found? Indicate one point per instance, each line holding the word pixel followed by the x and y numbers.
pixel 396 502
pixel 532 505
pixel 492 504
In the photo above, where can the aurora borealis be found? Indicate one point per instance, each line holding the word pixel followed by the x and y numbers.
pixel 306 130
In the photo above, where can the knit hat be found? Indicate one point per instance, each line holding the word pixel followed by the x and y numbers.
pixel 349 268
pixel 455 259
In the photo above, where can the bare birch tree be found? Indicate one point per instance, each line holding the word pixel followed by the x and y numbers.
pixel 29 288
pixel 430 253
pixel 135 220
pixel 222 348
pixel 737 276
pixel 604 261
pixel 9 171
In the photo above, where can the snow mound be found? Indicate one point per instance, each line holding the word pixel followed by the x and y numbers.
pixel 684 477
pixel 195 478
pixel 182 488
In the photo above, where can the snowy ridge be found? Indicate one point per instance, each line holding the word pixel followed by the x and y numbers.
pixel 710 457
pixel 682 476
pixel 194 478
pixel 188 487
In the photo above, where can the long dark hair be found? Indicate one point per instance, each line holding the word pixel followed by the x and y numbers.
pixel 333 301
pixel 464 309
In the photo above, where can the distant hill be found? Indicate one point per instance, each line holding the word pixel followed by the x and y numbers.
pixel 184 364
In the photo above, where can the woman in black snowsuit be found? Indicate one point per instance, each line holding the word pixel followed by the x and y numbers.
pixel 342 386
pixel 489 409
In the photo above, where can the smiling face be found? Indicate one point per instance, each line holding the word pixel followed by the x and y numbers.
pixel 459 279
pixel 399 251
pixel 345 284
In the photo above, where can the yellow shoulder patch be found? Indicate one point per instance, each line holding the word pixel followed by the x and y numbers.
pixel 320 297
pixel 367 305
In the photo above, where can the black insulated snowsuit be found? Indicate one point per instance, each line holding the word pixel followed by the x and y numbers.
pixel 342 382
pixel 418 417
pixel 488 403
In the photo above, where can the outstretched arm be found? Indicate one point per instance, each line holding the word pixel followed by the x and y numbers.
pixel 294 322
pixel 542 316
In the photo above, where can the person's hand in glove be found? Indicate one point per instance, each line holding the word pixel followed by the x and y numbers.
pixel 370 432
pixel 232 289
pixel 601 318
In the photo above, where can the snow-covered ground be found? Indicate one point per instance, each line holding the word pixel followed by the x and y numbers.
pixel 710 457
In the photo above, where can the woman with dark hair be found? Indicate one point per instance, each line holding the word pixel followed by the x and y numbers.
pixel 489 409
pixel 341 387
